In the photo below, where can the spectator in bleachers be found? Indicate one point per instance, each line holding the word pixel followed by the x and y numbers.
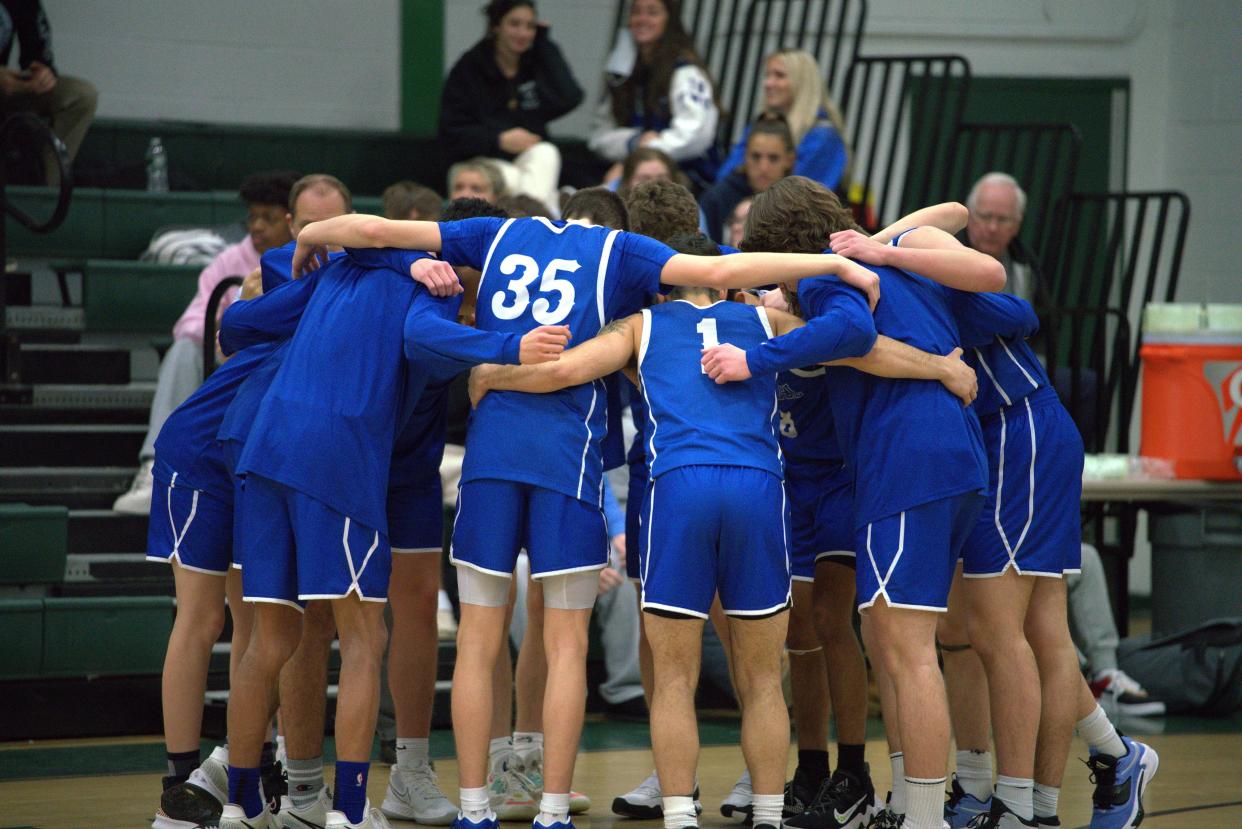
pixel 501 94
pixel 38 87
pixel 409 200
pixel 648 164
pixel 736 227
pixel 278 203
pixel 769 158
pixel 793 87
pixel 997 204
pixel 660 95
pixel 476 178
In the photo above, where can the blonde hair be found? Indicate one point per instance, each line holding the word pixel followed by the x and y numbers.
pixel 482 165
pixel 810 95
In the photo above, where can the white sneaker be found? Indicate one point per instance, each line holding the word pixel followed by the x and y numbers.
pixel 737 805
pixel 510 792
pixel 233 817
pixel 372 819
pixel 1119 692
pixel 531 765
pixel 137 501
pixel 413 794
pixel 312 816
pixel 643 802
pixel 212 775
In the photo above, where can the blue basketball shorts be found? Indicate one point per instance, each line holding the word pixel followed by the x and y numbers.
pixel 909 558
pixel 634 539
pixel 189 527
pixel 297 549
pixel 416 516
pixel 1031 520
pixel 716 529
pixel 821 516
pixel 498 519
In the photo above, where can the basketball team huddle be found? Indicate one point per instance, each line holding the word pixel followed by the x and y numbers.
pixel 825 421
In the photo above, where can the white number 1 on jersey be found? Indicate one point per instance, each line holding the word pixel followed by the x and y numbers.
pixel 707 328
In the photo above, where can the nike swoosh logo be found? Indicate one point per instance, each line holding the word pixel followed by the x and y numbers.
pixel 305 822
pixel 842 817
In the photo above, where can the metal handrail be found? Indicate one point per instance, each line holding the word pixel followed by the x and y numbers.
pixel 35 125
pixel 209 321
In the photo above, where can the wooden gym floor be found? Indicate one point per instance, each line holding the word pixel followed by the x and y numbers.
pixel 115 783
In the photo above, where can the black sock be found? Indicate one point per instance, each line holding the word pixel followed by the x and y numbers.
pixel 850 758
pixel 268 758
pixel 181 763
pixel 813 763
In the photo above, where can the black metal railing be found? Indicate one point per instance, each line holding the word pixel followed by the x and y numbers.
pixel 21 130
pixel 209 321
pixel 902 114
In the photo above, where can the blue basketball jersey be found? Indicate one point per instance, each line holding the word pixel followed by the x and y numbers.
pixel 692 420
pixel 807 431
pixel 994 328
pixel 239 417
pixel 538 272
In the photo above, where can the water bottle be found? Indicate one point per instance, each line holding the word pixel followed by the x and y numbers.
pixel 157 167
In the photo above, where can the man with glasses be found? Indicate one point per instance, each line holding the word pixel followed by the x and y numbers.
pixel 996 204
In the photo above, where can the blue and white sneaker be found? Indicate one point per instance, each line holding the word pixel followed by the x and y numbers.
pixel 486 823
pixel 560 824
pixel 1120 783
pixel 962 807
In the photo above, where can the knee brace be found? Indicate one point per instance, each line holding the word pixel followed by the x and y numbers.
pixel 482 589
pixel 570 591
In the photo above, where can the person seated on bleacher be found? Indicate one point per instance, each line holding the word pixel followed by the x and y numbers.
pixel 501 94
pixel 659 95
pixel 271 198
pixel 997 204
pixel 69 102
pixel 476 178
pixel 769 158
pixel 793 87
pixel 409 200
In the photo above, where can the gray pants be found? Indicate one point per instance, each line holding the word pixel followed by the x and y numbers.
pixel 70 106
pixel 181 373
pixel 1090 614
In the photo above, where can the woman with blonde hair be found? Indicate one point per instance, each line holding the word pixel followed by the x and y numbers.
pixel 793 88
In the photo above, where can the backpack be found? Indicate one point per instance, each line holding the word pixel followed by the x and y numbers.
pixel 1196 671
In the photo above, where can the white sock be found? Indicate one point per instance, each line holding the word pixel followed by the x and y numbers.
pixel 527 743
pixel 898 801
pixel 280 746
pixel 1016 793
pixel 974 773
pixel 553 809
pixel 679 812
pixel 1045 800
pixel 924 803
pixel 498 749
pixel 474 804
pixel 442 601
pixel 766 809
pixel 413 752
pixel 1099 733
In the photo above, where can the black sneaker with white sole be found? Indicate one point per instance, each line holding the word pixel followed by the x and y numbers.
pixel 845 801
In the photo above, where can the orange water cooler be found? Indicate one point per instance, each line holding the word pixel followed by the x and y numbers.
pixel 1192 389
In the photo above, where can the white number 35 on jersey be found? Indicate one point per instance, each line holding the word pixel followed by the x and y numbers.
pixel 542 308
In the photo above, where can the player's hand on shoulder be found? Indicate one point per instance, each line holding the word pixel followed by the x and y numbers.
pixel 725 363
pixel 478 386
pixel 437 276
pixel 859 247
pixel 543 344
pixel 307 258
pixel 959 378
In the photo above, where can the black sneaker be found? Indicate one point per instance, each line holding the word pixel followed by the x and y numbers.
pixel 844 801
pixel 189 804
pixel 887 819
pixel 275 785
pixel 1047 821
pixel 999 817
pixel 800 793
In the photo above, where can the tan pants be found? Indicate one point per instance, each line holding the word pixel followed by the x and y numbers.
pixel 70 105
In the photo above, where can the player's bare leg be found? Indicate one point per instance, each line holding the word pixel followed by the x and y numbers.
pixel 481 634
pixel 756 647
pixel 676 649
pixel 531 674
pixel 565 642
pixel 969 710
pixel 243 621
pixel 843 657
pixel 414 643
pixel 809 683
pixel 199 622
pixel 1061 681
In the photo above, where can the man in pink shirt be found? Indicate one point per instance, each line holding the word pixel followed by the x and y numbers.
pixel 266 196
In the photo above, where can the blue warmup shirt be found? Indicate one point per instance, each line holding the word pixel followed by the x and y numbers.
pixel 328 423
pixel 808 435
pixel 538 272
pixel 909 442
pixel 994 328
pixel 691 419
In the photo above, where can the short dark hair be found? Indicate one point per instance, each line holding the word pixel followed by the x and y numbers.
pixel 497 9
pixel 522 206
pixel 268 187
pixel 795 215
pixel 661 209
pixel 320 181
pixel 406 197
pixel 459 209
pixel 598 205
pixel 695 244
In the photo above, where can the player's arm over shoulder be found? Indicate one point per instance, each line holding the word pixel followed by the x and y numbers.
pixel 782 322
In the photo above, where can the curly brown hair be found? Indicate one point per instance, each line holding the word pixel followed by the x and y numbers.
pixel 795 215
pixel 661 209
